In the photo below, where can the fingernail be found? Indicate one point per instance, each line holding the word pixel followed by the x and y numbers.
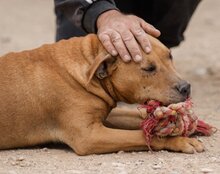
pixel 148 49
pixel 127 58
pixel 157 30
pixel 114 53
pixel 138 58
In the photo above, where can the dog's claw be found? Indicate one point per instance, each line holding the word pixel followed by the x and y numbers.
pixel 184 144
pixel 198 146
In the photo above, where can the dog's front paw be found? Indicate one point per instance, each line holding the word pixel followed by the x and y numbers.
pixel 184 144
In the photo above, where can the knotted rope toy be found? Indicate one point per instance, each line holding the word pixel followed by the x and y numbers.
pixel 174 120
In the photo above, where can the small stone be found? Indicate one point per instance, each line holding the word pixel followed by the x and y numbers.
pixel 117 164
pixel 21 158
pixel 134 153
pixel 161 160
pixel 23 165
pixel 14 163
pixel 120 152
pixel 45 149
pixel 98 164
pixel 206 170
pixel 156 166
pixel 199 139
pixel 214 159
pixel 139 162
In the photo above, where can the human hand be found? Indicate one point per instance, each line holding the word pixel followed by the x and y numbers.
pixel 121 34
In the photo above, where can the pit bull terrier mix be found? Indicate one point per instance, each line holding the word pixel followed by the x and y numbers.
pixel 63 92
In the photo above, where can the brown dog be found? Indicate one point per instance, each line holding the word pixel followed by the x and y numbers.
pixel 63 92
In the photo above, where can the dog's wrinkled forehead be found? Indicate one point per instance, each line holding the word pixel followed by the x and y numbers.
pixel 156 43
pixel 159 51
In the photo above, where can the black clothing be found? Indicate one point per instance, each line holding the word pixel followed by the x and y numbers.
pixel 78 17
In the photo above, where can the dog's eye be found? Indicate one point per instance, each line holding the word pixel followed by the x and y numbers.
pixel 150 68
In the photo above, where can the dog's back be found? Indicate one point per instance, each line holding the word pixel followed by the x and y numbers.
pixel 22 94
pixel 40 85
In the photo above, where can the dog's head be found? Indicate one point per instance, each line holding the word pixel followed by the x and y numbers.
pixel 153 78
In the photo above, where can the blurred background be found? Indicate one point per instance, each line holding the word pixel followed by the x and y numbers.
pixel 27 24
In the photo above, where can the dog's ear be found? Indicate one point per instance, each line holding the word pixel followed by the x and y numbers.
pixel 100 66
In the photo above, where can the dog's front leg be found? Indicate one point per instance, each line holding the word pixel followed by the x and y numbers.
pixel 106 140
pixel 124 118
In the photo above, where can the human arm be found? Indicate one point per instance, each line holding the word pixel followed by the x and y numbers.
pixel 118 33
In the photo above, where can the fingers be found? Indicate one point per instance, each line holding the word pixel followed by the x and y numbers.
pixel 142 38
pixel 122 43
pixel 150 29
pixel 122 34
pixel 120 46
pixel 132 45
pixel 106 41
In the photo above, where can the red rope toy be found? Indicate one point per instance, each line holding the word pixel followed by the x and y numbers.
pixel 173 120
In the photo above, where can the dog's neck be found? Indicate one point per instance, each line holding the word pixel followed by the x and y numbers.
pixel 112 91
pixel 108 87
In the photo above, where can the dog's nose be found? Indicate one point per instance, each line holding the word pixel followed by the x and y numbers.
pixel 184 88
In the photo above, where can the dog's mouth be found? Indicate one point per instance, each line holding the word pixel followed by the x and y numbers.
pixel 146 102
pixel 160 103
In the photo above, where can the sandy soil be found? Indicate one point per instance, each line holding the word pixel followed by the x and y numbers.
pixel 26 24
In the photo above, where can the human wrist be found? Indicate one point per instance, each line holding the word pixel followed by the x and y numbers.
pixel 92 13
pixel 102 17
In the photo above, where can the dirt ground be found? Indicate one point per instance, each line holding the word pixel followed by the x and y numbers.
pixel 26 24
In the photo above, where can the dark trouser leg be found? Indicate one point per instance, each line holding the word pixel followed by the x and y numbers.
pixel 65 29
pixel 173 22
pixel 170 17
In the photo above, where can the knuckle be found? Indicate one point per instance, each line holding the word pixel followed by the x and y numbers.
pixel 122 51
pixel 115 37
pixel 104 38
pixel 135 52
pixel 148 27
pixel 139 31
pixel 127 37
pixel 107 46
pixel 131 16
pixel 151 26
pixel 105 31
pixel 105 41
pixel 145 41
